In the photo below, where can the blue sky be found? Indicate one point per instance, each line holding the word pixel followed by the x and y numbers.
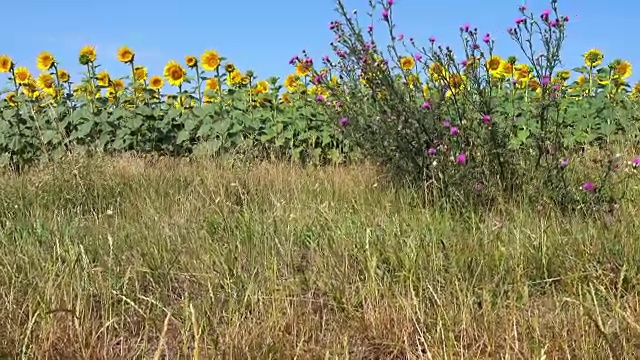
pixel 263 35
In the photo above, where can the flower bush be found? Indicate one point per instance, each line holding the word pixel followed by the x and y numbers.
pixel 469 128
pixel 480 126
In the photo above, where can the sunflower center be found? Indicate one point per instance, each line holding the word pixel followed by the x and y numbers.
pixel 175 73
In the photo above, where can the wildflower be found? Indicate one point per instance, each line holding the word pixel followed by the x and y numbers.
pixel 461 159
pixel 191 61
pixel 210 60
pixel 344 121
pixel 156 82
pixel 320 98
pixel 635 162
pixel 520 20
pixel 385 14
pixel 432 39
pixel 486 118
pixel 454 131
pixel 546 80
pixel 446 123
pixel 432 151
pixel 465 27
pixel 400 37
pixel 45 61
pixel 593 58
pixel 417 56
pixel 125 54
pixel 487 38
pixel 174 73
pixel 564 163
pixel 426 105
pixel 589 186
pixel 87 54
pixel 5 63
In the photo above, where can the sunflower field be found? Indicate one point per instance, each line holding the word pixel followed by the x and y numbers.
pixel 475 122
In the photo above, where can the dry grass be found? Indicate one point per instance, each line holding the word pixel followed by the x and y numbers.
pixel 122 258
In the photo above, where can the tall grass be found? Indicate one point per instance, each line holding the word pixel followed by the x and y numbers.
pixel 121 258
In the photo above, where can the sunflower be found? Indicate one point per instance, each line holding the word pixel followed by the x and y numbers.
pixel 303 68
pixel 292 83
pixel 22 75
pixel 494 64
pixel 506 69
pixel 118 86
pixel 635 91
pixel 10 98
pixel 622 69
pixel 425 91
pixel 593 58
pixel 210 60
pixel 229 67
pixel 262 87
pixel 46 83
pixel 174 73
pixel 285 98
pixel 140 73
pixel 87 54
pixel 212 84
pixel 582 80
pixel 437 72
pixel 534 84
pixel 125 55
pixel 407 63
pixel 563 75
pixel 63 75
pixel 522 72
pixel 235 77
pixel 191 61
pixel 156 82
pixel 45 61
pixel 5 63
pixel 456 83
pixel 103 78
pixel 30 88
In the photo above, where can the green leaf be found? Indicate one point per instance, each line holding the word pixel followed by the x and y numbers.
pixel 183 136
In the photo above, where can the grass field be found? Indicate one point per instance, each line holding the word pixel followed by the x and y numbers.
pixel 127 258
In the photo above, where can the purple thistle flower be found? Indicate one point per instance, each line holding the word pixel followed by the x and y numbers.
pixel 589 186
pixel 635 162
pixel 446 123
pixel 461 159
pixel 344 121
pixel 546 80
pixel 426 105
pixel 564 163
pixel 432 151
pixel 319 98
pixel 487 38
pixel 486 118
pixel 385 14
pixel 454 130
pixel 418 57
